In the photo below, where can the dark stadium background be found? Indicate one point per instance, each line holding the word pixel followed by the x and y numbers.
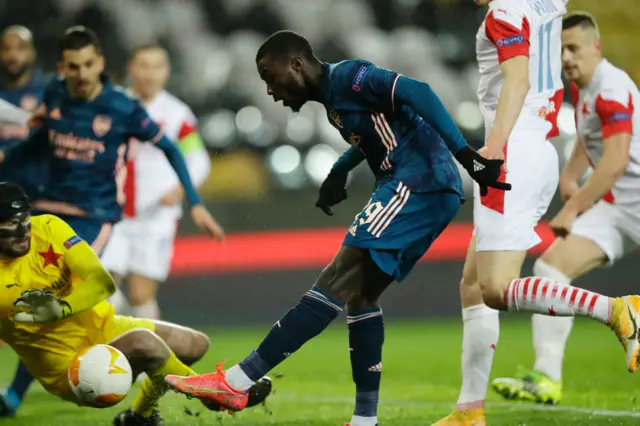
pixel 267 163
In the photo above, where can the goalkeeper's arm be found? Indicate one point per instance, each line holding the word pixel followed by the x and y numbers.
pixel 92 283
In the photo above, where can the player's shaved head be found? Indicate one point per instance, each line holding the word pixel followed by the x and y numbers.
pixel 17 54
pixel 287 64
pixel 583 20
pixel 81 61
pixel 581 51
pixel 149 70
pixel 284 45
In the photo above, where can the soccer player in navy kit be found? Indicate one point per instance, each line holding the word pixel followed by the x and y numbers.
pixel 400 127
pixel 24 87
pixel 87 124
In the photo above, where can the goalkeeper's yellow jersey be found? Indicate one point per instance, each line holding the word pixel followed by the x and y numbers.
pixel 57 261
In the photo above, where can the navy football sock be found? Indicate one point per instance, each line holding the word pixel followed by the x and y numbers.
pixel 315 311
pixel 366 337
pixel 21 381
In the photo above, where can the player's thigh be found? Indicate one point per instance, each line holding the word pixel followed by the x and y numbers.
pixel 352 275
pixel 152 249
pixel 605 227
pixel 188 344
pixel 506 220
pixel 117 253
pixel 50 368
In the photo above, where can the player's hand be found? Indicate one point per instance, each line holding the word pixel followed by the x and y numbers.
pixel 485 171
pixel 40 306
pixel 332 191
pixel 563 221
pixel 568 188
pixel 203 219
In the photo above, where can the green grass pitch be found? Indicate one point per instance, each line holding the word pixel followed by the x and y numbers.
pixel 420 383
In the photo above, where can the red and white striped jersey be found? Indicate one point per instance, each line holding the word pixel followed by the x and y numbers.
pixel 605 107
pixel 149 173
pixel 529 28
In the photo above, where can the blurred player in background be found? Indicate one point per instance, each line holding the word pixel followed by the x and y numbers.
pixel 24 87
pixel 88 122
pixel 141 246
pixel 600 221
pixel 54 307
pixel 403 131
pixel 519 54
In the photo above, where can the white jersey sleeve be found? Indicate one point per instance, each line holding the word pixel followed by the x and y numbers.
pixel 508 30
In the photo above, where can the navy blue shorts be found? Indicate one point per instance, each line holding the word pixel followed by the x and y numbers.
pixel 398 226
pixel 95 232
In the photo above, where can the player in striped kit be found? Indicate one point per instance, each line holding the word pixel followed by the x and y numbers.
pixel 600 221
pixel 141 245
pixel 519 54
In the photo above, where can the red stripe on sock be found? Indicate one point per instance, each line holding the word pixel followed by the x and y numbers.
pixel 583 299
pixel 534 292
pixel 525 292
pixel 514 285
pixel 574 294
pixel 545 287
pixel 554 292
pixel 563 295
pixel 592 305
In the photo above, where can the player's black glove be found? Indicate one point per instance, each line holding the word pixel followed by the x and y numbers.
pixel 332 191
pixel 485 172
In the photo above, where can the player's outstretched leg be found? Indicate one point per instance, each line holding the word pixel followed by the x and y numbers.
pixel 336 285
pixel 11 398
pixel 567 259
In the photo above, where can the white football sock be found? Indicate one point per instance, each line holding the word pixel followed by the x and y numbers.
pixel 238 379
pixel 550 334
pixel 363 421
pixel 119 301
pixel 149 310
pixel 481 332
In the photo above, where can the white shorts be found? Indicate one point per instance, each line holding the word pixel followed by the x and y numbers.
pixel 141 246
pixel 615 230
pixel 505 220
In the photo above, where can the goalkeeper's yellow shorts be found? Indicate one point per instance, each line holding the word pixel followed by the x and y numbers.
pixel 49 358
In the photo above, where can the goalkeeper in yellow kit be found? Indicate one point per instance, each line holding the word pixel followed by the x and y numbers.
pixel 53 292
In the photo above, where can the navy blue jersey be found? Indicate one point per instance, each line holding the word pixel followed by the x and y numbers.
pixel 30 168
pixel 88 143
pixel 396 142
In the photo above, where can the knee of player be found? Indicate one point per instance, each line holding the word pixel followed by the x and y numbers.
pixel 200 345
pixel 493 293
pixel 144 346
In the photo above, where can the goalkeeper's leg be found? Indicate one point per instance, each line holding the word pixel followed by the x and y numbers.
pixel 168 350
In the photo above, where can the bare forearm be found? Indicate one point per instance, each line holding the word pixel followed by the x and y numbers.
pixel 577 164
pixel 604 177
pixel 510 103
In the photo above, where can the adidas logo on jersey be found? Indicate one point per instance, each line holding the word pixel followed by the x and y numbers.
pixel 477 166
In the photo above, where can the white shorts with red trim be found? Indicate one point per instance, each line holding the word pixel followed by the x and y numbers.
pixel 142 247
pixel 506 220
pixel 614 229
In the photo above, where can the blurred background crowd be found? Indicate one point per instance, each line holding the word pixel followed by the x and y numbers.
pixel 265 158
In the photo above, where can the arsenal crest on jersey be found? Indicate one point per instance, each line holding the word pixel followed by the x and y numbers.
pixel 101 125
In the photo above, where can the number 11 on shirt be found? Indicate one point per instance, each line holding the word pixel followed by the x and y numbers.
pixel 545 75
